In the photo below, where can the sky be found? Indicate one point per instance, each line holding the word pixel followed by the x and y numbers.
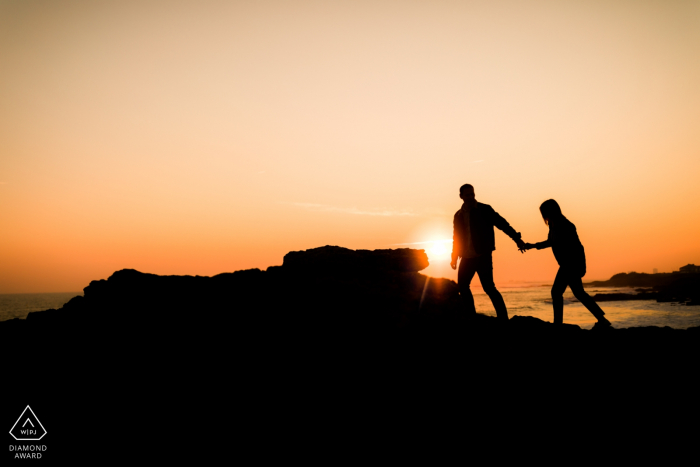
pixel 200 137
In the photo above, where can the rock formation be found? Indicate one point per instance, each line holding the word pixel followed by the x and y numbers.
pixel 329 336
pixel 665 287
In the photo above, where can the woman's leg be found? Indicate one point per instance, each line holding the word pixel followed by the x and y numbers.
pixel 558 288
pixel 587 301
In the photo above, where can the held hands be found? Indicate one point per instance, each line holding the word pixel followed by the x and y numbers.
pixel 523 247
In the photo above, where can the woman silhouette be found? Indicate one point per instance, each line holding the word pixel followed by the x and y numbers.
pixel 568 251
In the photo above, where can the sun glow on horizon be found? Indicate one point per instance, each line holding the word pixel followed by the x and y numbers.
pixel 439 249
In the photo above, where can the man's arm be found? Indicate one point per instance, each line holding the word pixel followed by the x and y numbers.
pixel 503 224
pixel 456 245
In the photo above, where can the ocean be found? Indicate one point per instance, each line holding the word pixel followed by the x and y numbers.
pixel 19 305
pixel 536 301
pixel 521 300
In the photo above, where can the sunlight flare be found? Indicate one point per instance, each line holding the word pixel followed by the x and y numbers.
pixel 439 249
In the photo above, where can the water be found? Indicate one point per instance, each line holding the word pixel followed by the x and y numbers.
pixel 536 301
pixel 19 305
pixel 525 301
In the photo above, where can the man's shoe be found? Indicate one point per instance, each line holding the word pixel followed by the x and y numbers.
pixel 602 324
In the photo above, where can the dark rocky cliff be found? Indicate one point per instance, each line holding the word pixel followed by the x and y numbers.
pixel 330 336
pixel 327 289
pixel 324 294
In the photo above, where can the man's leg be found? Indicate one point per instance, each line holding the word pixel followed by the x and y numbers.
pixel 467 268
pixel 583 297
pixel 558 288
pixel 485 271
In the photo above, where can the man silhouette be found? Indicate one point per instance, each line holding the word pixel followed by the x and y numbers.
pixel 473 241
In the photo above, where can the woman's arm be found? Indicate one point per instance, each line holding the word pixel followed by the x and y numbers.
pixel 547 243
pixel 539 246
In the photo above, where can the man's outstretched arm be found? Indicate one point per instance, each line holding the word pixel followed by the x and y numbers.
pixel 503 224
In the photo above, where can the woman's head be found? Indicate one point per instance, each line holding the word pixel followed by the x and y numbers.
pixel 550 210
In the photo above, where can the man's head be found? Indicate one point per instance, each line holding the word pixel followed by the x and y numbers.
pixel 466 192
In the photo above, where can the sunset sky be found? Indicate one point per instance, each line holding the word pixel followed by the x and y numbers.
pixel 199 137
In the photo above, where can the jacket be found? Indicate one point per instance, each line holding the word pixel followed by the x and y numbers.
pixel 566 246
pixel 482 221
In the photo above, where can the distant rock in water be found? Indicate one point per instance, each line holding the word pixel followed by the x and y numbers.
pixel 635 279
pixel 665 287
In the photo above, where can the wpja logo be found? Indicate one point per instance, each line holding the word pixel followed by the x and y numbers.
pixel 28 428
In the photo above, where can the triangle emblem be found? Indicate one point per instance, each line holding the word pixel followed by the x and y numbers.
pixel 27 427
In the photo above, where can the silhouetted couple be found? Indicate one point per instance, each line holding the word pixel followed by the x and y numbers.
pixel 474 242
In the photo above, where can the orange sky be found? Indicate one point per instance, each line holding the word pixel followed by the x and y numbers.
pixel 209 136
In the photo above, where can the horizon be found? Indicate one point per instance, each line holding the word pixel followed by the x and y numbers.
pixel 205 137
pixel 476 285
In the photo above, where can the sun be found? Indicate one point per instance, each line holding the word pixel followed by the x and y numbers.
pixel 438 249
